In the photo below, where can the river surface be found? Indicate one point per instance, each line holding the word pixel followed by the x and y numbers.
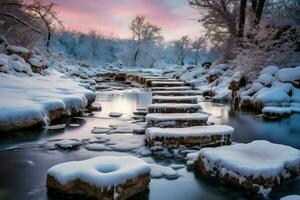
pixel 25 155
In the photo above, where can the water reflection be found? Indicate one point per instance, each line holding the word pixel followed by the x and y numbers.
pixel 23 170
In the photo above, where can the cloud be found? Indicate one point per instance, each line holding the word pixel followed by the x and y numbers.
pixel 173 16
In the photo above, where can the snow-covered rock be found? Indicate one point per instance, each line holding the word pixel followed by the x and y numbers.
pixel 164 120
pixel 107 176
pixel 174 108
pixel 289 74
pixel 291 197
pixel 257 166
pixel 213 135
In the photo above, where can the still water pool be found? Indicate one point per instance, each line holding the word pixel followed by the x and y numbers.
pixel 25 160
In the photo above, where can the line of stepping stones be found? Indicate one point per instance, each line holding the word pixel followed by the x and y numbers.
pixel 175 119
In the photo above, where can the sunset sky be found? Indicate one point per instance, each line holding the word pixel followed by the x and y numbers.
pixel 175 17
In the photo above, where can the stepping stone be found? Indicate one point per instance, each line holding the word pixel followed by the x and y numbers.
pixel 148 82
pixel 68 144
pixel 176 93
pixel 175 99
pixel 176 120
pixel 170 88
pixel 174 108
pixel 104 177
pixel 215 135
pixel 166 83
pixel 256 167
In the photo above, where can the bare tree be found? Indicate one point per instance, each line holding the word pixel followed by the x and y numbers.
pixel 47 14
pixel 143 31
pixel 32 12
pixel 197 45
pixel 182 48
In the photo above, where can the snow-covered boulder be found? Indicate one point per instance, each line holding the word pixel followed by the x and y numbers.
pixel 257 166
pixel 21 51
pixel 289 74
pixel 105 177
pixel 271 69
pixel 214 135
pixel 276 112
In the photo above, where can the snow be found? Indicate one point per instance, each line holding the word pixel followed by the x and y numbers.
pixel 194 131
pixel 103 171
pixel 28 99
pixel 266 79
pixel 271 69
pixel 160 171
pixel 176 116
pixel 18 49
pixel 276 95
pixel 55 127
pixel 289 74
pixel 97 147
pixel 291 197
pixel 258 158
pixel 100 130
pixel 35 62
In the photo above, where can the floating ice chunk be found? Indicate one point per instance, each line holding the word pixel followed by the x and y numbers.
pixel 159 171
pixel 100 130
pixel 55 127
pixel 97 147
pixel 115 114
pixel 68 144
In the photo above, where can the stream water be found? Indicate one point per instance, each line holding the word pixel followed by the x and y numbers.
pixel 25 159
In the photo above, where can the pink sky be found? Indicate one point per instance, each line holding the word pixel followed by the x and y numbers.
pixel 175 17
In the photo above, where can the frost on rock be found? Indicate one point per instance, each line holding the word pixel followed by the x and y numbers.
pixel 213 135
pixel 114 177
pixel 256 166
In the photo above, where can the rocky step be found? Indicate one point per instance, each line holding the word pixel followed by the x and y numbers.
pixel 149 81
pixel 174 108
pixel 166 83
pixel 203 136
pixel 170 88
pixel 176 93
pixel 256 167
pixel 175 99
pixel 176 120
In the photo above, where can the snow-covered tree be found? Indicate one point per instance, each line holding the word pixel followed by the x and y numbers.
pixel 182 48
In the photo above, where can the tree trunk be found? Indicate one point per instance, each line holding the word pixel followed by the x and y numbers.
pixel 242 18
pixel 197 54
pixel 135 56
pixel 48 40
pixel 259 11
